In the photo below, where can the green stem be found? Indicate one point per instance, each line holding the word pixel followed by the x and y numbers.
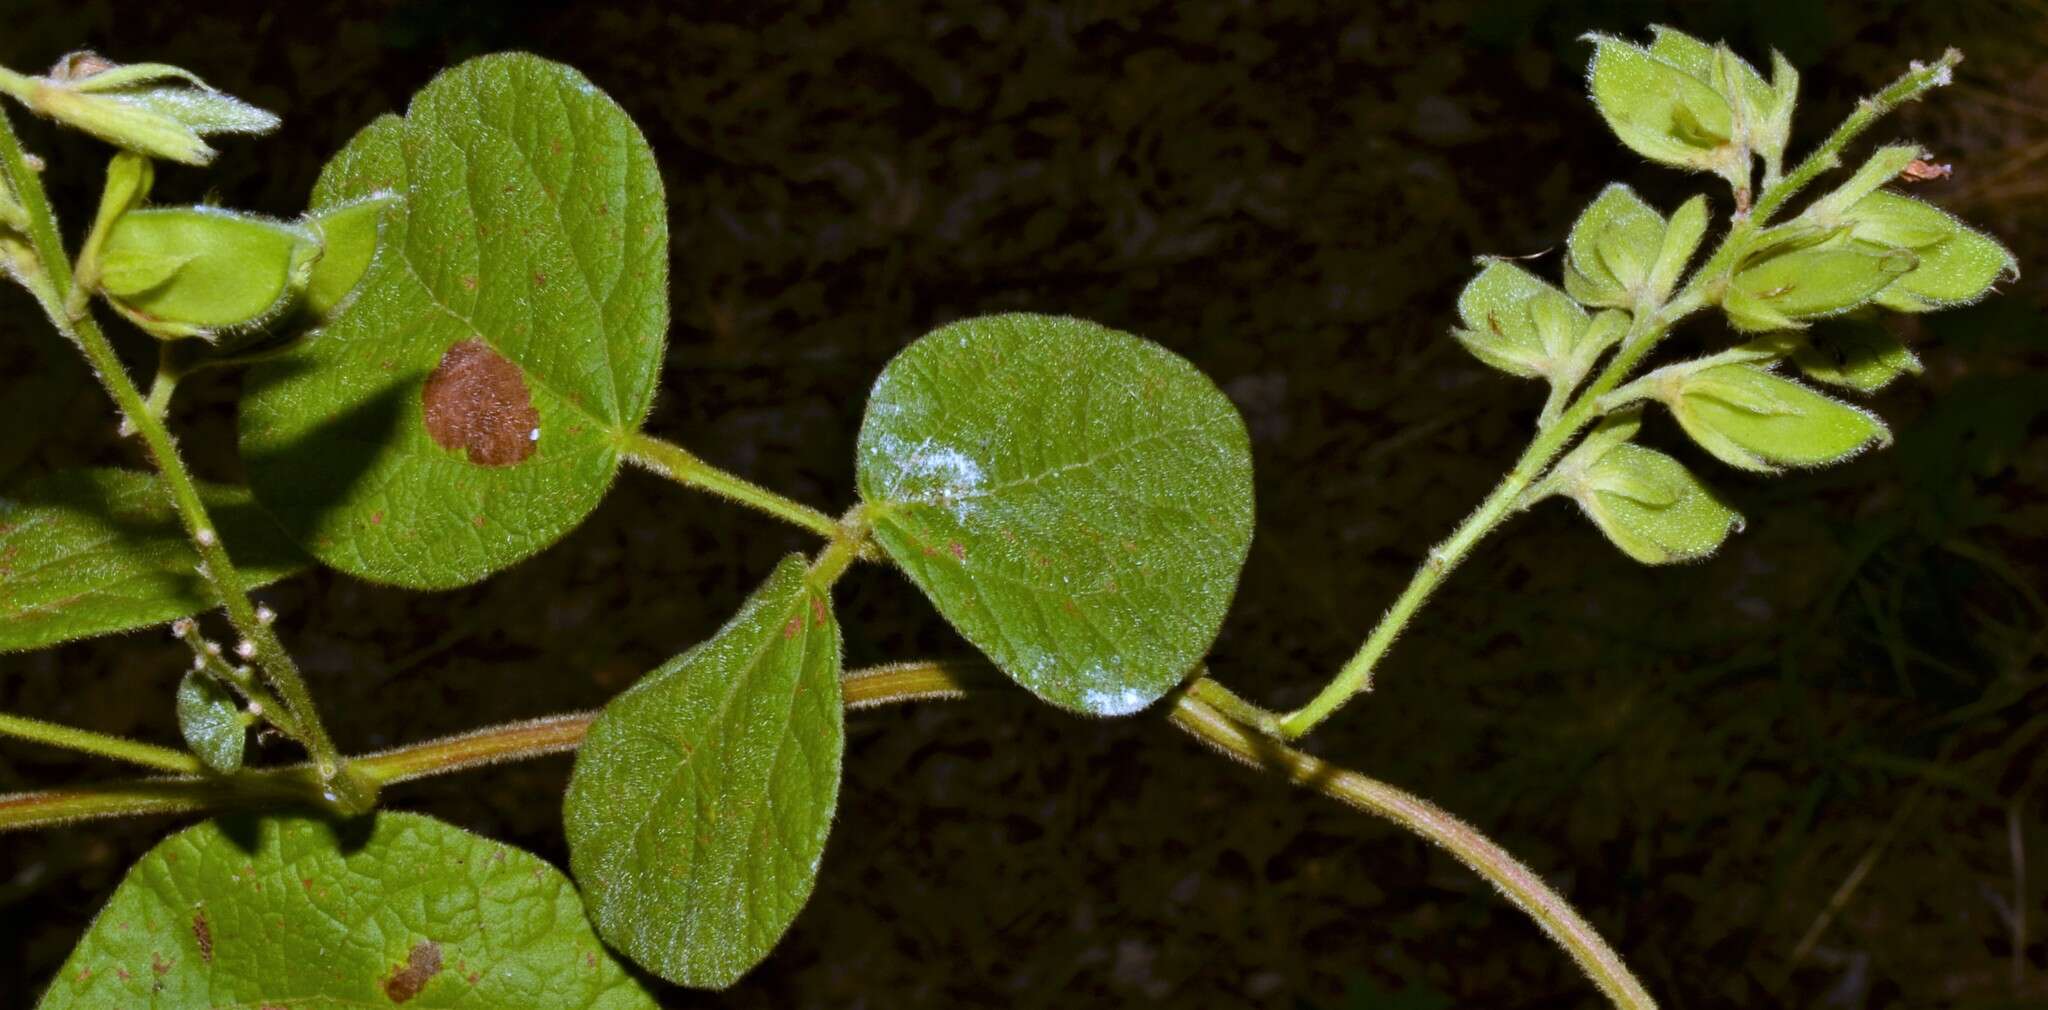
pixel 158 403
pixel 147 755
pixel 240 678
pixel 682 466
pixel 216 567
pixel 1236 740
pixel 1704 288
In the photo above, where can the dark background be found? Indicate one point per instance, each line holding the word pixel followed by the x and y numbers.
pixel 1809 772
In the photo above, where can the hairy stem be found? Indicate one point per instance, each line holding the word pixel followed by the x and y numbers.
pixel 263 646
pixel 682 466
pixel 148 755
pixel 1704 288
pixel 1524 888
pixel 298 785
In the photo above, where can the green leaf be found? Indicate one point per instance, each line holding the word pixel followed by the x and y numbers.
pixel 1661 111
pixel 1517 323
pixel 91 552
pixel 242 914
pixel 198 271
pixel 210 719
pixel 465 410
pixel 1859 354
pixel 1652 507
pixel 1612 248
pixel 1755 420
pixel 1956 265
pixel 1075 500
pixel 701 799
pixel 1812 282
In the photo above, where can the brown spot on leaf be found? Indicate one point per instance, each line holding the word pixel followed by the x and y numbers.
pixel 794 625
pixel 157 963
pixel 477 521
pixel 204 934
pixel 818 614
pixel 421 965
pixel 959 551
pixel 477 403
pixel 540 280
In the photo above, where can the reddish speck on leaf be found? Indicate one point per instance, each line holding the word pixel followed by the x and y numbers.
pixel 959 550
pixel 794 625
pixel 157 963
pixel 818 614
pixel 376 518
pixel 422 963
pixel 204 934
pixel 477 403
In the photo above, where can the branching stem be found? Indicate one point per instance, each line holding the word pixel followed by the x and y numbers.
pixel 1704 288
pixel 52 290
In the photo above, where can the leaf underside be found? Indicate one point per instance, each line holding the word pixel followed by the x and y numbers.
pixel 93 552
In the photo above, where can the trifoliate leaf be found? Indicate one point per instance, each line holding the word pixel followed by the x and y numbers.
pixel 1755 420
pixel 466 408
pixel 1661 111
pixel 398 910
pixel 1652 507
pixel 91 552
pixel 702 796
pixel 210 719
pixel 1075 500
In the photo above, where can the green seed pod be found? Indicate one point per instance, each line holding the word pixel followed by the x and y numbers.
pixel 1755 420
pixel 197 271
pixel 348 234
pixel 149 108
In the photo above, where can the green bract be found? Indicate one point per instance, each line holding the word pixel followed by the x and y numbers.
pixel 1755 420
pixel 1075 500
pixel 1523 326
pixel 1651 506
pixel 301 913
pixel 198 271
pixel 702 796
pixel 1955 264
pixel 1784 290
pixel 149 108
pixel 1858 354
pixel 89 552
pixel 1622 253
pixel 348 239
pixel 465 408
pixel 210 719
pixel 1665 113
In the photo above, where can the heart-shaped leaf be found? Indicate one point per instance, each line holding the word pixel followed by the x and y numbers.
pixel 701 799
pixel 1075 500
pixel 92 552
pixel 464 410
pixel 402 910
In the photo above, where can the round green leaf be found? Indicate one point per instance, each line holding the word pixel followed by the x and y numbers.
pixel 242 914
pixel 464 409
pixel 210 719
pixel 701 799
pixel 92 552
pixel 1075 500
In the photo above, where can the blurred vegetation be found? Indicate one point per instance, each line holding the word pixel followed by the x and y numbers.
pixel 1808 772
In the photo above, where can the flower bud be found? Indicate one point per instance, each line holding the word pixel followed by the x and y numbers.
pixel 198 271
pixel 149 108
